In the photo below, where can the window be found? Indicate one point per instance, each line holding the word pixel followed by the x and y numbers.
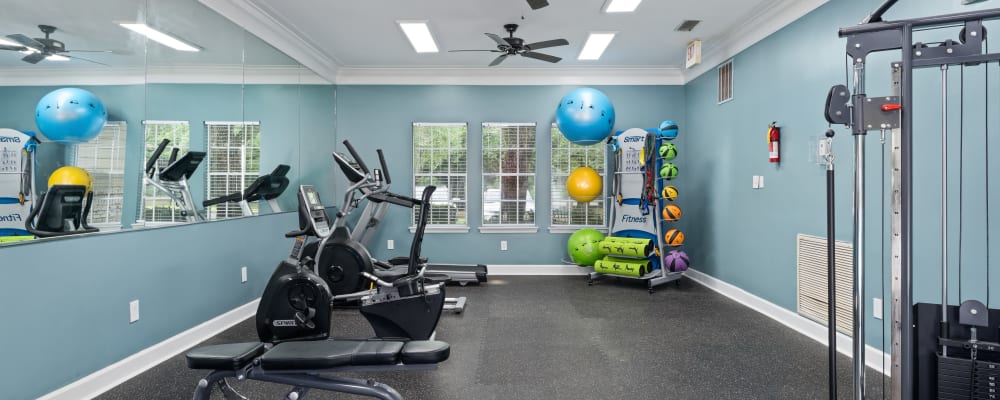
pixel 233 163
pixel 104 158
pixel 156 206
pixel 566 157
pixel 508 174
pixel 726 81
pixel 439 159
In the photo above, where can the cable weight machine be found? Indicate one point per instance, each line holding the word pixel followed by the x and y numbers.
pixel 938 351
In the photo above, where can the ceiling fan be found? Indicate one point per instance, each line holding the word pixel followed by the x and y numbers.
pixel 512 46
pixel 39 49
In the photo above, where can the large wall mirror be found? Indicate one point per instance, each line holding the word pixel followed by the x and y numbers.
pixel 214 90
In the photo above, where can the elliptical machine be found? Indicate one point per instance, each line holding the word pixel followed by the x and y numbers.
pixel 343 260
pixel 296 304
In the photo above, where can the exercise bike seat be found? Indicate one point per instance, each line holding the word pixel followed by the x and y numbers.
pixel 319 354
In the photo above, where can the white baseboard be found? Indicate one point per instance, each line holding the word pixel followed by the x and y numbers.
pixel 113 375
pixel 874 358
pixel 541 269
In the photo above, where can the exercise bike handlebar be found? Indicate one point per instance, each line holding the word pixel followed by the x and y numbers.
pixel 357 158
pixel 385 169
pixel 151 163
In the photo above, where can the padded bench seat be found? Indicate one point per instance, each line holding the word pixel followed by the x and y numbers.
pixel 320 354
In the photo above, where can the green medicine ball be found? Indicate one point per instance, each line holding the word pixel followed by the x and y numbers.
pixel 669 171
pixel 668 151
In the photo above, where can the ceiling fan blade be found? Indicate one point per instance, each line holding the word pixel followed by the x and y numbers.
pixel 14 48
pixel 89 51
pixel 500 42
pixel 546 44
pixel 34 58
pixel 498 60
pixel 26 41
pixel 540 56
pixel 84 59
pixel 536 4
pixel 492 51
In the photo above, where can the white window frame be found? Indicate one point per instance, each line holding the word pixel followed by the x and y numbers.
pixel 244 172
pixel 157 196
pixel 449 199
pixel 528 227
pixel 558 183
pixel 113 137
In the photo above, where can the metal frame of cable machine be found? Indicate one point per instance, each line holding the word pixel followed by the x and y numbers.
pixel 863 114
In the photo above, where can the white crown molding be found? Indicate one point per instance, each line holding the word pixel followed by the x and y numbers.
pixel 509 76
pixel 769 18
pixel 214 74
pixel 265 26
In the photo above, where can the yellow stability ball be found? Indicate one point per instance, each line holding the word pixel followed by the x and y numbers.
pixel 70 175
pixel 584 184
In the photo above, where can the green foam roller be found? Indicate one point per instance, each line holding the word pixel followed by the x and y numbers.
pixel 622 266
pixel 627 247
pixel 11 239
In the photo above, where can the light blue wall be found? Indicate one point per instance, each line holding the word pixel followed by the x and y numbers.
pixel 66 301
pixel 785 78
pixel 297 123
pixel 381 117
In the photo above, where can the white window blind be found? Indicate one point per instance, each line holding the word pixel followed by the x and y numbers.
pixel 440 159
pixel 156 206
pixel 233 163
pixel 104 158
pixel 566 157
pixel 508 174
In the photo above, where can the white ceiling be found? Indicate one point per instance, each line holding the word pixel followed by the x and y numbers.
pixel 357 41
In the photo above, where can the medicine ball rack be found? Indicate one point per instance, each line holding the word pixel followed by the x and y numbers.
pixel 938 350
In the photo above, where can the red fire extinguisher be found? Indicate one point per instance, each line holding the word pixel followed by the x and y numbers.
pixel 773 134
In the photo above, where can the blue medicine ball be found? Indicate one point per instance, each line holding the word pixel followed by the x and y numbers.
pixel 70 115
pixel 668 129
pixel 585 116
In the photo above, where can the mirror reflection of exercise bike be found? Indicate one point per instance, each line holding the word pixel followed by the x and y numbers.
pixel 293 325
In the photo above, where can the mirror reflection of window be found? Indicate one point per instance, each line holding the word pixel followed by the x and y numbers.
pixel 104 158
pixel 233 163
pixel 155 206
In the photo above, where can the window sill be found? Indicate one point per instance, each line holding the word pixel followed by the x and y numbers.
pixel 574 228
pixel 443 229
pixel 508 229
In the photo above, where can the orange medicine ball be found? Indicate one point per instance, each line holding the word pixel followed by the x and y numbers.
pixel 671 212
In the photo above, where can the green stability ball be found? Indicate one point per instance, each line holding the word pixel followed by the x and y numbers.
pixel 582 246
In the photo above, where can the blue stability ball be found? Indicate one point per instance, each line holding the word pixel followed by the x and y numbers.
pixel 668 130
pixel 585 116
pixel 70 115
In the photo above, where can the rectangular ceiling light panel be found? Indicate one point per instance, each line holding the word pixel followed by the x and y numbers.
pixel 160 37
pixel 419 36
pixel 616 6
pixel 56 57
pixel 596 44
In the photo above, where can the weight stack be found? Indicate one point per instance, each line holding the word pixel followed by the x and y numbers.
pixel 965 379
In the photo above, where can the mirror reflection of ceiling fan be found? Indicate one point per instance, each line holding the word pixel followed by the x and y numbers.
pixel 39 49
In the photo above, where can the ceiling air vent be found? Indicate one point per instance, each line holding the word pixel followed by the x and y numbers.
pixel 687 25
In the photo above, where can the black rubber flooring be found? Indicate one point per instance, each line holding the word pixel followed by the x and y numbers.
pixel 554 337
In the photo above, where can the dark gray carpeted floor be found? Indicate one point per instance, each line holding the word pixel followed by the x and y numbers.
pixel 541 337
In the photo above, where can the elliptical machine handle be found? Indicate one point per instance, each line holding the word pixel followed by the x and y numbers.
pixel 151 163
pixel 297 233
pixel 357 158
pixel 375 279
pixel 385 169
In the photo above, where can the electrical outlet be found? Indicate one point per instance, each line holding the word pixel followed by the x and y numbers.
pixel 243 274
pixel 133 311
pixel 390 244
pixel 503 245
pixel 877 308
pixel 760 181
